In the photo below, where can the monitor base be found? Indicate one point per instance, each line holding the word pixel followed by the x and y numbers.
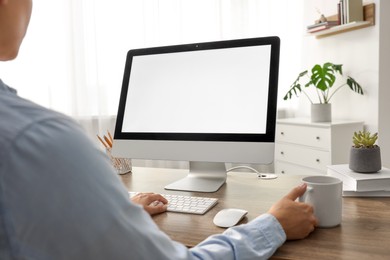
pixel 203 177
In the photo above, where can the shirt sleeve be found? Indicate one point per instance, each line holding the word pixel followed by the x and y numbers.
pixel 259 239
pixel 61 199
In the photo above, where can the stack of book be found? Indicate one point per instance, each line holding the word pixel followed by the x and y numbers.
pixel 321 26
pixel 362 184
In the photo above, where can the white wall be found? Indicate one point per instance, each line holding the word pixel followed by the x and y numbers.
pixel 358 52
pixel 384 81
pixel 364 54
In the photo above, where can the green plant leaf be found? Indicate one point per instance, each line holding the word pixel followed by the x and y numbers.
pixel 364 139
pixel 353 85
pixel 323 77
pixel 338 68
pixel 295 88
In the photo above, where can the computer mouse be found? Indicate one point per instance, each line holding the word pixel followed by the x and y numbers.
pixel 229 217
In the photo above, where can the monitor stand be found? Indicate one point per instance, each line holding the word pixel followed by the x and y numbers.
pixel 203 177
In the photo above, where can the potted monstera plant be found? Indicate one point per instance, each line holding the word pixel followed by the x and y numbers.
pixel 365 154
pixel 321 78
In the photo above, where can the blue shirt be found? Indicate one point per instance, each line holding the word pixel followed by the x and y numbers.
pixel 61 199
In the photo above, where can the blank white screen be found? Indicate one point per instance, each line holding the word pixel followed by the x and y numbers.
pixel 208 91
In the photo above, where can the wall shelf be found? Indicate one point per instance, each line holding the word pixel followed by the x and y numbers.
pixel 369 20
pixel 341 29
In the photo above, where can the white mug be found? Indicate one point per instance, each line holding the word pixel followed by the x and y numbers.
pixel 324 193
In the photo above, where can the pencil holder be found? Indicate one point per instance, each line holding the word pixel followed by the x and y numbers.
pixel 121 165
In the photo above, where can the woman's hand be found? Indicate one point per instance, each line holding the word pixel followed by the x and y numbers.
pixel 296 218
pixel 153 203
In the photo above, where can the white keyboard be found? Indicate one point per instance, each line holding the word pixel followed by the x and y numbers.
pixel 187 204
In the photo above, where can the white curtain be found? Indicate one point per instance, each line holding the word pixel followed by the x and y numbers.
pixel 73 56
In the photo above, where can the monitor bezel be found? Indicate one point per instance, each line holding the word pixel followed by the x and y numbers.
pixel 269 136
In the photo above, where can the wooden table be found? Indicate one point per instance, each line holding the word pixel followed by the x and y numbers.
pixel 363 234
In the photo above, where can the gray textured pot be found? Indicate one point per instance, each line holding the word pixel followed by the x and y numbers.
pixel 365 160
pixel 321 113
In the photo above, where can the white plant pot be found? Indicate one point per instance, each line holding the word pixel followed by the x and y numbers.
pixel 321 113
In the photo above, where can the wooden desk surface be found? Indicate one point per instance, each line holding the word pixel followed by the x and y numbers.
pixel 363 234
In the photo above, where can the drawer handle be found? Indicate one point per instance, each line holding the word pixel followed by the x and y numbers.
pixel 283 172
pixel 282 133
pixel 318 138
pixel 318 160
pixel 282 153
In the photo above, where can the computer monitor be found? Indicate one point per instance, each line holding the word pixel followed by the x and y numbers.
pixel 208 103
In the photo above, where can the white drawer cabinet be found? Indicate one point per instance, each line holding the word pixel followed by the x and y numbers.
pixel 303 147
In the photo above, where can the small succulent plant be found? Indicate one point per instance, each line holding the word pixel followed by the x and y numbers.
pixel 364 139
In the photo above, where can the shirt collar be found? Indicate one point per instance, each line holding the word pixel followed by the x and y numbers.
pixel 5 88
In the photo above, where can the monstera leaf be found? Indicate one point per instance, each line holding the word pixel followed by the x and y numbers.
pixel 323 77
pixel 353 85
pixel 295 87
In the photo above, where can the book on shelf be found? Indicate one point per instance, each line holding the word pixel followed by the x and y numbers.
pixel 327 23
pixel 350 11
pixel 339 12
pixel 360 182
pixel 375 193
pixel 321 26
pixel 317 29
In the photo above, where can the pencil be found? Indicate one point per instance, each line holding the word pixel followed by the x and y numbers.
pixel 101 140
pixel 109 135
pixel 108 141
